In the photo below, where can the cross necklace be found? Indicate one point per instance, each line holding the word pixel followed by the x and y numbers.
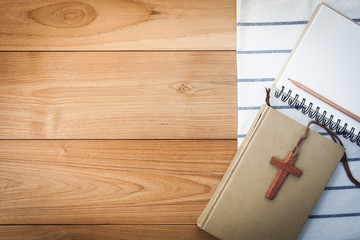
pixel 285 167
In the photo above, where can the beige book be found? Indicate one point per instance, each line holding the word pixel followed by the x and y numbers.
pixel 239 210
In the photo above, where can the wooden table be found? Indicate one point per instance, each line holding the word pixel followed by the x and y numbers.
pixel 117 118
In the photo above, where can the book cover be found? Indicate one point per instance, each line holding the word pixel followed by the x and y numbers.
pixel 239 210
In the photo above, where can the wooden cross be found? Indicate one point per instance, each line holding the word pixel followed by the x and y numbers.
pixel 285 167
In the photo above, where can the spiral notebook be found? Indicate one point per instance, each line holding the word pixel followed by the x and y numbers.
pixel 326 60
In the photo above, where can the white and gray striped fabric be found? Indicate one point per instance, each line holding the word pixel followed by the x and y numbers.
pixel 266 33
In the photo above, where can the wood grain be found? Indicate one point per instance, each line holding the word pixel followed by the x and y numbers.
pixel 109 181
pixel 118 95
pixel 117 25
pixel 84 88
pixel 108 232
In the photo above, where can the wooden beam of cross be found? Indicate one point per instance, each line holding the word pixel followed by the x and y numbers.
pixel 285 167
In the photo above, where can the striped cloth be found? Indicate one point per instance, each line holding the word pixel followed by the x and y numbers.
pixel 266 33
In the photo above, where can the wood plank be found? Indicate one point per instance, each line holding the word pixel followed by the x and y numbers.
pixel 117 25
pixel 118 95
pixel 109 232
pixel 109 181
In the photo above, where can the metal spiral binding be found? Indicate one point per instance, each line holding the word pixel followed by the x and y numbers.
pixel 320 118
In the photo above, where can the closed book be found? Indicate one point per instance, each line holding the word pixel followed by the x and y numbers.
pixel 239 209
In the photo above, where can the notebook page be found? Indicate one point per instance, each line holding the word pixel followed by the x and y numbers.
pixel 326 60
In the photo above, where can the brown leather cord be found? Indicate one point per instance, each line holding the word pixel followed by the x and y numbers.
pixel 267 98
pixel 336 139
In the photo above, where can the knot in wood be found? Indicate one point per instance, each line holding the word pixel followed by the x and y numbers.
pixel 64 15
pixel 185 89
